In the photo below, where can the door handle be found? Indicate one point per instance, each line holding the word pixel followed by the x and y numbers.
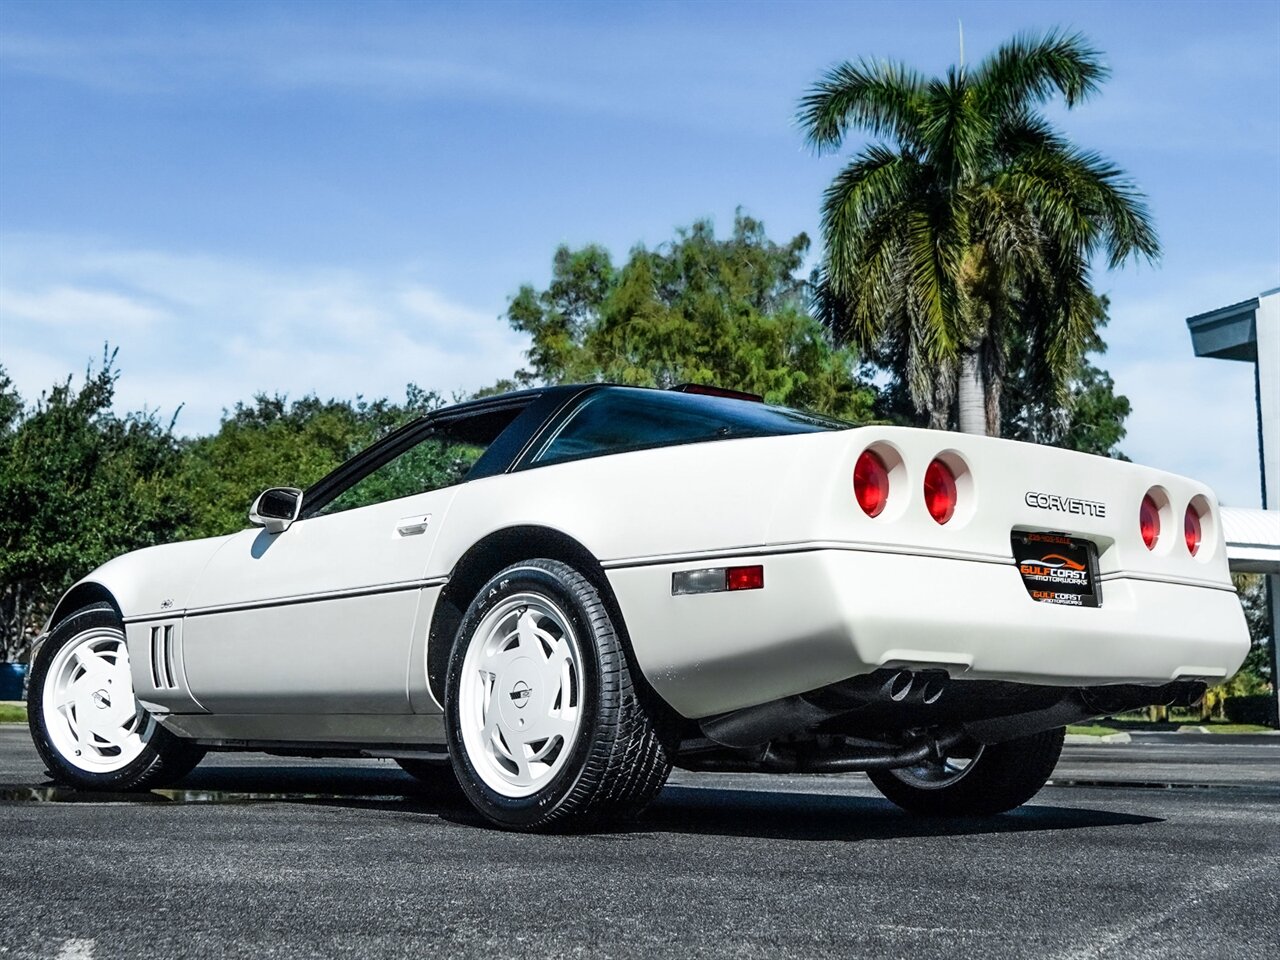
pixel 412 526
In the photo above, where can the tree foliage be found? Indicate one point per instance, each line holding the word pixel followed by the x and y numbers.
pixel 1086 414
pixel 1252 588
pixel 79 485
pixel 699 309
pixel 971 223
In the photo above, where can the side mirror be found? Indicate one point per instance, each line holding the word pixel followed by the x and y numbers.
pixel 276 509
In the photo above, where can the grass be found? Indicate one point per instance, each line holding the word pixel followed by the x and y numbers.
pixel 11 713
pixel 1212 726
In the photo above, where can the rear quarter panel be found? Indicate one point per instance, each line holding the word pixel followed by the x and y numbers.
pixel 705 497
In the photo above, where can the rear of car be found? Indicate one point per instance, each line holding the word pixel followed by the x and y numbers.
pixel 895 548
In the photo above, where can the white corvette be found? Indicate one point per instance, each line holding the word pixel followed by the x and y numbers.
pixel 556 595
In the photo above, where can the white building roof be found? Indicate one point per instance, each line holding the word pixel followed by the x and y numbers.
pixel 1253 539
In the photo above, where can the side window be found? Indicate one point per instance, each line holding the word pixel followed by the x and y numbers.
pixel 438 461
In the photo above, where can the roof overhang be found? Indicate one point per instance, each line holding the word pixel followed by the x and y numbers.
pixel 1253 540
pixel 1228 333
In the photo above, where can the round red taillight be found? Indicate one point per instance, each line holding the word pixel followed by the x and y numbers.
pixel 1149 522
pixel 871 483
pixel 1191 529
pixel 940 491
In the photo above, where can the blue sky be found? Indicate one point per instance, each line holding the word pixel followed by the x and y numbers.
pixel 340 197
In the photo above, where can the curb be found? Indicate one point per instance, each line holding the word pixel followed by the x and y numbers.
pixel 1080 739
pixel 1265 788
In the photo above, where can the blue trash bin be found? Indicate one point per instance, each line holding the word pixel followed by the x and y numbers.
pixel 11 678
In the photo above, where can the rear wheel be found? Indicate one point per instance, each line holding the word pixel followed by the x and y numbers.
pixel 974 779
pixel 547 727
pixel 85 721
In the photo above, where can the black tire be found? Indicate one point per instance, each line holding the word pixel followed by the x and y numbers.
pixel 619 760
pixel 1001 777
pixel 436 781
pixel 164 757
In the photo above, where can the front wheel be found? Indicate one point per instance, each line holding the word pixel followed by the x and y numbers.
pixel 86 723
pixel 547 727
pixel 973 779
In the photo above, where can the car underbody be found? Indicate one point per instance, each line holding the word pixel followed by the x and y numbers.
pixel 885 720
pixel 891 719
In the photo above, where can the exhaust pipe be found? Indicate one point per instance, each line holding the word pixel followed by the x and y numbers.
pixel 758 725
pixel 851 761
pixel 850 756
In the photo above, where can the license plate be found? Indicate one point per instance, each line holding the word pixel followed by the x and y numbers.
pixel 1058 569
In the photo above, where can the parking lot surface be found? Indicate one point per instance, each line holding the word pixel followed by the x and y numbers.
pixel 1165 847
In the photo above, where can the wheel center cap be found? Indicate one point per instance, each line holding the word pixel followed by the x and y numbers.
pixel 102 699
pixel 520 694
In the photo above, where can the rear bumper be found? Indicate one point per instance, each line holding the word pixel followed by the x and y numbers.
pixel 828 614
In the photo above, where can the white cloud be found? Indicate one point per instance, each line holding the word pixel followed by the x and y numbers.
pixel 72 306
pixel 205 332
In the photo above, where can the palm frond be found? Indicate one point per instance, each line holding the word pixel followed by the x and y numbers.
pixel 1030 69
pixel 1118 205
pixel 882 98
pixel 956 137
pixel 932 267
pixel 858 305
pixel 1084 199
pixel 878 178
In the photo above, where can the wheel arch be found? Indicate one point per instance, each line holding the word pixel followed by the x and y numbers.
pixel 82 594
pixel 485 558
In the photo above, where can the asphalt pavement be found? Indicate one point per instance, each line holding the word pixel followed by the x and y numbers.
pixel 1165 847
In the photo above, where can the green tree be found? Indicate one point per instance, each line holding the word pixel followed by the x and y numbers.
pixel 699 309
pixel 1252 588
pixel 79 486
pixel 1088 415
pixel 971 221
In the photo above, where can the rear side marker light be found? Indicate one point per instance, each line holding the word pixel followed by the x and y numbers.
pixel 717 580
pixel 1191 529
pixel 1149 522
pixel 871 483
pixel 940 491
pixel 744 578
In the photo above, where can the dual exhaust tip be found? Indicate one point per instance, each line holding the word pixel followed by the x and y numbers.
pixel 905 686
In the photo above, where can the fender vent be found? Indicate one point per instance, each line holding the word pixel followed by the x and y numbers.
pixel 162 671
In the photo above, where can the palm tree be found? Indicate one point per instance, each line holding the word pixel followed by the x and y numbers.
pixel 970 216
